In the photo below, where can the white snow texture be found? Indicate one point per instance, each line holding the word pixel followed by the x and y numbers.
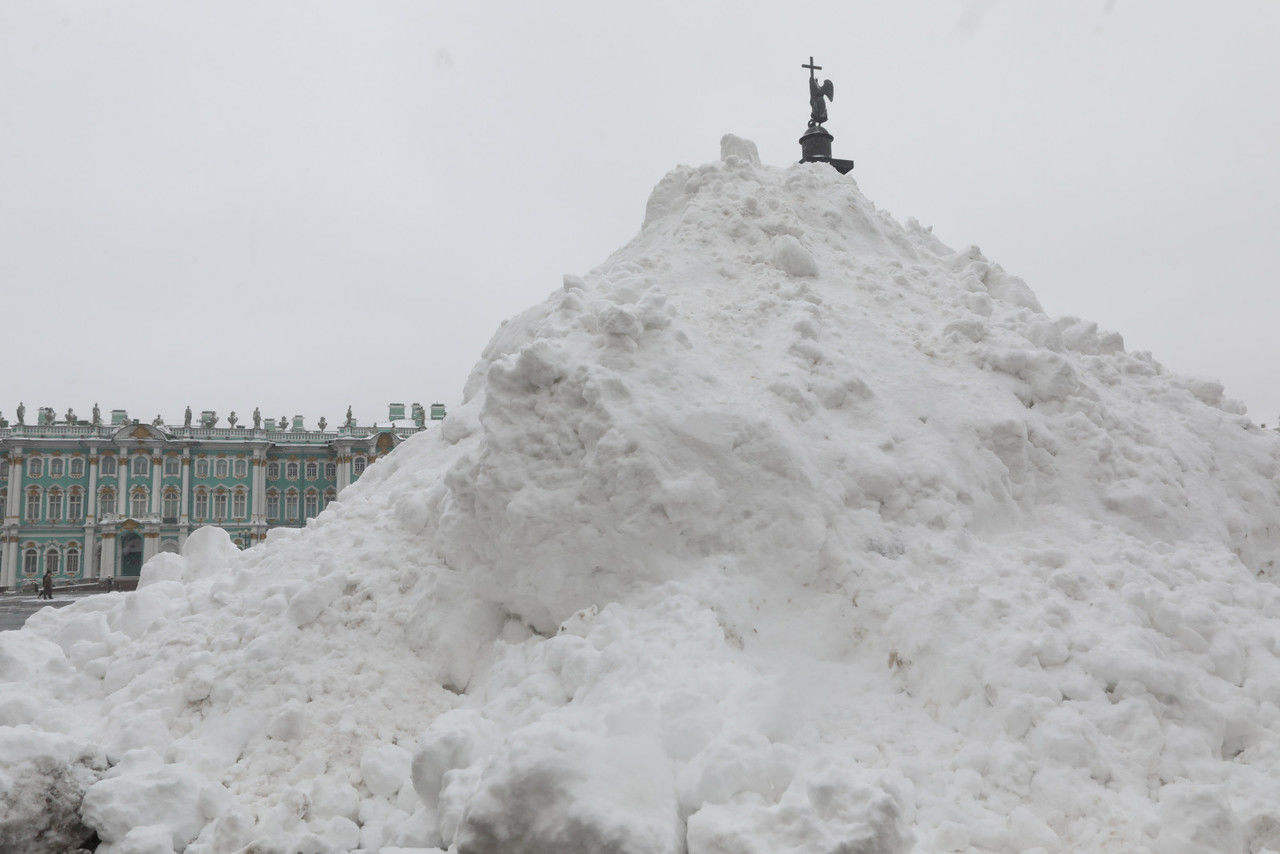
pixel 786 530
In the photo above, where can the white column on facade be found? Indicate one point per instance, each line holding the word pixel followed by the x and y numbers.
pixel 12 509
pixel 184 500
pixel 150 545
pixel 9 579
pixel 157 468
pixel 15 487
pixel 259 486
pixel 122 483
pixel 91 499
pixel 88 568
pixel 108 567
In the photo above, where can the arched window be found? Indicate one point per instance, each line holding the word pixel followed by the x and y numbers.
pixel 75 503
pixel 106 501
pixel 220 468
pixel 273 471
pixel 312 470
pixel 291 471
pixel 35 467
pixel 202 467
pixel 273 504
pixel 33 504
pixel 311 503
pixel 57 467
pixel 52 560
pixel 107 466
pixel 170 505
pixel 330 471
pixel 220 505
pixel 201 510
pixel 4 500
pixel 73 560
pixel 291 505
pixel 242 467
pixel 30 560
pixel 4 468
pixel 77 466
pixel 55 505
pixel 138 500
pixel 141 465
pixel 172 466
pixel 170 546
pixel 358 466
pixel 240 504
pixel 330 494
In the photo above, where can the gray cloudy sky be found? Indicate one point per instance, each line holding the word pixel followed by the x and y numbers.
pixel 306 204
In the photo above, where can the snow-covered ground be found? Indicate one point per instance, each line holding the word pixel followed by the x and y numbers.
pixel 786 529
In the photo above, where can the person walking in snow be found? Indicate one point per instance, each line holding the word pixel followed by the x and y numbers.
pixel 47 593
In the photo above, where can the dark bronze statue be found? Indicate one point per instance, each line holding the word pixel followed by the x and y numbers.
pixel 818 95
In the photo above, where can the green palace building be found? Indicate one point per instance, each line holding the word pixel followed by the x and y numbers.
pixel 91 498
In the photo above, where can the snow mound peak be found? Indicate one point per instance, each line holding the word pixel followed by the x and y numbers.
pixel 787 528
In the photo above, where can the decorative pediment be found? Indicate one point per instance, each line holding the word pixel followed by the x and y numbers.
pixel 141 432
pixel 130 525
pixel 386 441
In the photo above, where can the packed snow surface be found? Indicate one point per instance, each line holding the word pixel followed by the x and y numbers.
pixel 785 530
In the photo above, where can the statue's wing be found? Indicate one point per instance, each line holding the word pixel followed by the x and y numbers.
pixel 829 89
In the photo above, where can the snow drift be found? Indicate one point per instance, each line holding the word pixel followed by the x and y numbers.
pixel 787 529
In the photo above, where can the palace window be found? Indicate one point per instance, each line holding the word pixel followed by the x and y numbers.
pixel 311 503
pixel 57 467
pixel 4 468
pixel 291 505
pixel 240 504
pixel 290 471
pixel 357 466
pixel 55 505
pixel 273 471
pixel 33 504
pixel 172 466
pixel 35 467
pixel 202 467
pixel 106 502
pixel 138 502
pixel 51 560
pixel 140 466
pixel 330 471
pixel 330 494
pixel 220 505
pixel 312 470
pixel 30 561
pixel 107 466
pixel 77 467
pixel 4 500
pixel 73 561
pixel 201 511
pixel 242 468
pixel 221 468
pixel 75 504
pixel 171 505
pixel 273 504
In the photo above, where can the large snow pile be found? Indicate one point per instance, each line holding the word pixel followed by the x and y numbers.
pixel 787 529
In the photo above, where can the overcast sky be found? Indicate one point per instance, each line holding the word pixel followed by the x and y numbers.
pixel 301 205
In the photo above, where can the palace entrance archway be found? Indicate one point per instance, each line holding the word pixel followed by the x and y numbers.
pixel 130 554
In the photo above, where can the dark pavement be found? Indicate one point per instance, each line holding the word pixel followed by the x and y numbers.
pixel 14 609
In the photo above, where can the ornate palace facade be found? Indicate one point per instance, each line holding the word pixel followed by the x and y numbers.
pixel 91 500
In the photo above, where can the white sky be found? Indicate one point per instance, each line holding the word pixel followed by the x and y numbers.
pixel 305 204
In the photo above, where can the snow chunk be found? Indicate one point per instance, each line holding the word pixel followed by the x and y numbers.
pixel 743 149
pixel 790 256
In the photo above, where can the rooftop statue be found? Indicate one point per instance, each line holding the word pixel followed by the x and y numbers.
pixel 22 413
pixel 815 143
pixel 257 418
pixel 818 95
pixel 97 414
pixel 186 417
